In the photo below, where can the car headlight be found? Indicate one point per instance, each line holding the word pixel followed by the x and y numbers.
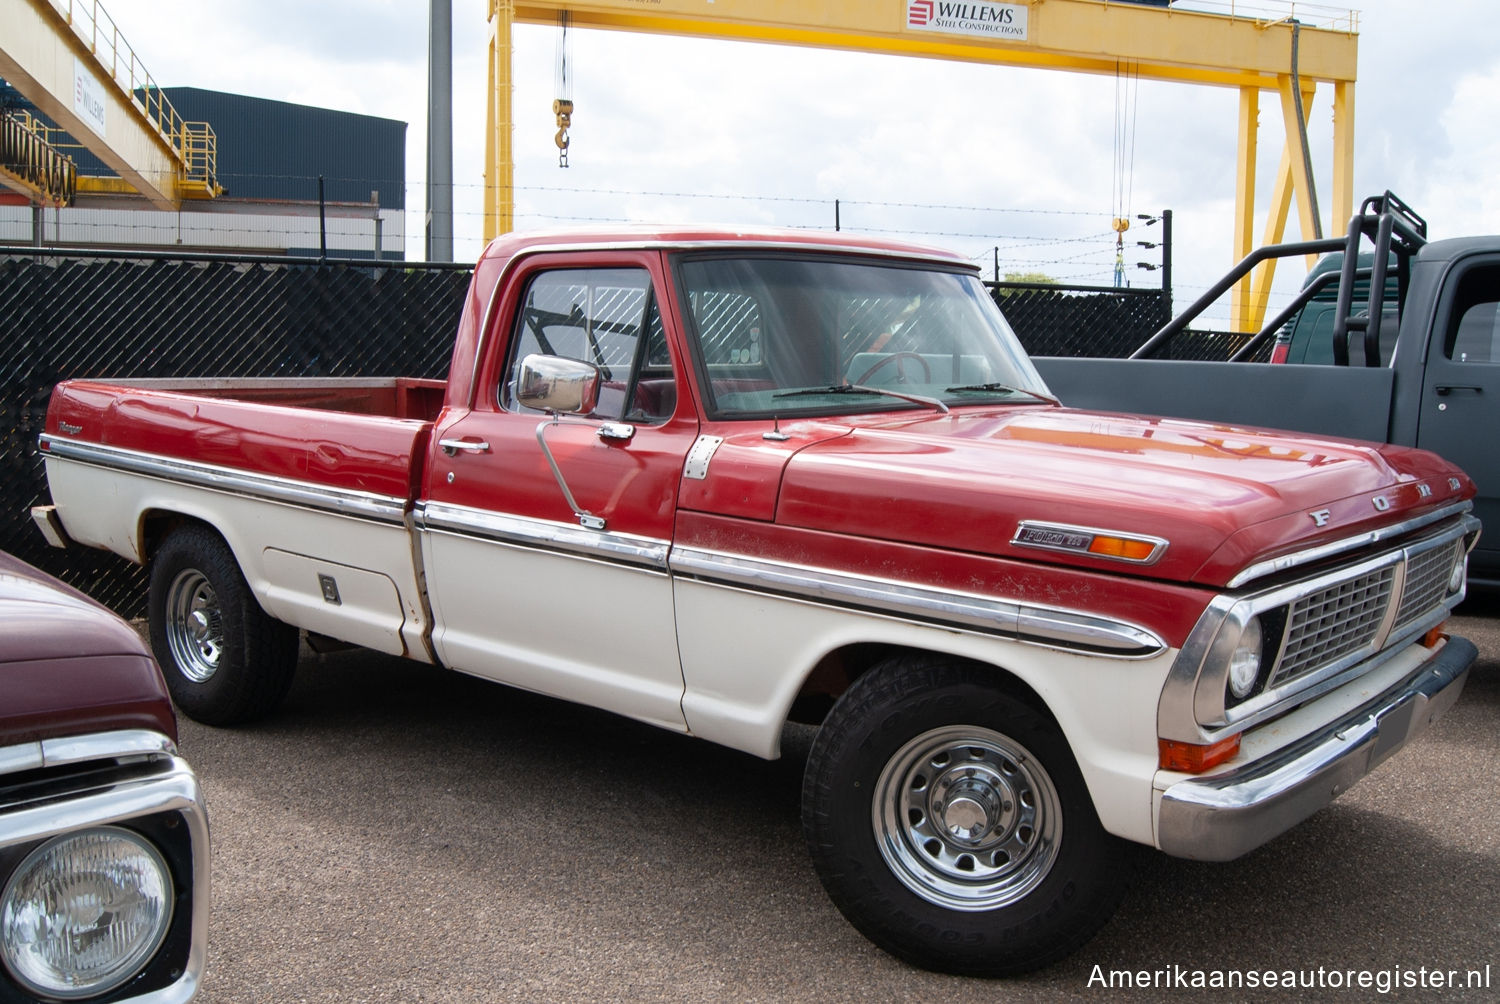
pixel 1244 661
pixel 84 912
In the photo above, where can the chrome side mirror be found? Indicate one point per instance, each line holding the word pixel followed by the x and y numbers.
pixel 557 384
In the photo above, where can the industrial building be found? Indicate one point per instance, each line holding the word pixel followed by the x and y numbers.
pixel 296 180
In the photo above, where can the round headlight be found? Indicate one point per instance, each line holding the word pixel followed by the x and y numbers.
pixel 84 912
pixel 1244 661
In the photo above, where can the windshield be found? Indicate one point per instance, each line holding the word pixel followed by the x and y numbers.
pixel 814 335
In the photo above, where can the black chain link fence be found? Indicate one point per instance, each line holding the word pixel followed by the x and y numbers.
pixel 114 315
pixel 1103 323
pixel 82 314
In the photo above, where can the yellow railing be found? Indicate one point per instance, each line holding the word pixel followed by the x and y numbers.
pixel 192 143
pixel 1311 15
pixel 28 154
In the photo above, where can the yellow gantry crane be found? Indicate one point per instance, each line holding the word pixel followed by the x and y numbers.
pixel 1289 52
pixel 68 58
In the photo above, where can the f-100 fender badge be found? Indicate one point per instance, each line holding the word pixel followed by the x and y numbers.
pixel 1321 516
pixel 699 456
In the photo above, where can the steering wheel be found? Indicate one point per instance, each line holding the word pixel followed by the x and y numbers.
pixel 896 359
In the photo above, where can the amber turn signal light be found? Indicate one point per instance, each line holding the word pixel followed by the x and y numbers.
pixel 1192 758
pixel 1431 638
pixel 1122 547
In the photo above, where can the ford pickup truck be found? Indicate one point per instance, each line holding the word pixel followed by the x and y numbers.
pixel 103 835
pixel 1410 357
pixel 722 482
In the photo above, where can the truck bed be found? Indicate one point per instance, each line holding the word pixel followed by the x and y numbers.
pixel 357 434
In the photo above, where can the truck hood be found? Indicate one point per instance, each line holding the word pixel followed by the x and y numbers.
pixel 1221 497
pixel 69 666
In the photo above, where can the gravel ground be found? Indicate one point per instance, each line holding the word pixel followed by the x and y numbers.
pixel 399 833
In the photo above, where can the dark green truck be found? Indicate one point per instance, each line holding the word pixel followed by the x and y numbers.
pixel 1394 338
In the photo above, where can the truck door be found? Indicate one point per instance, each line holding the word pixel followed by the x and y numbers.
pixel 1461 392
pixel 523 590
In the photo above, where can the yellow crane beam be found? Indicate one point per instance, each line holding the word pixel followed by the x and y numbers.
pixel 1224 49
pixel 67 57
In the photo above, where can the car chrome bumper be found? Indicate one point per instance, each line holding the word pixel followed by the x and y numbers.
pixel 1222 817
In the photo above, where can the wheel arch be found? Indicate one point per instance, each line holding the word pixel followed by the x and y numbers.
pixel 832 675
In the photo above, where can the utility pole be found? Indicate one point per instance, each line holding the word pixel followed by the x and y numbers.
pixel 439 245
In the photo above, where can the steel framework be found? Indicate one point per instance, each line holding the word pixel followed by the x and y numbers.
pixel 1285 48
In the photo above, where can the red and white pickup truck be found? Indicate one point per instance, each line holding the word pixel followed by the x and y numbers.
pixel 721 481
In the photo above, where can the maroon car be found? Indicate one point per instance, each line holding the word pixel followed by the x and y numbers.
pixel 103 834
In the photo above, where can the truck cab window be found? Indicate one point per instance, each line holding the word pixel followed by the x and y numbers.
pixel 1474 323
pixel 608 317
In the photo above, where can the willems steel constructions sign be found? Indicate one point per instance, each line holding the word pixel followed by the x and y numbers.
pixel 992 20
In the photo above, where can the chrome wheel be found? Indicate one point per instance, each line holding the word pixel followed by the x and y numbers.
pixel 194 626
pixel 966 818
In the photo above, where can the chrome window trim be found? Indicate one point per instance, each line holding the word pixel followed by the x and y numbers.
pixel 1197 714
pixel 1033 623
pixel 339 501
pixel 646 553
pixel 1262 569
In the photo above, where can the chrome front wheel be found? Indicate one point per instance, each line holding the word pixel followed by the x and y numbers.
pixel 949 822
pixel 967 818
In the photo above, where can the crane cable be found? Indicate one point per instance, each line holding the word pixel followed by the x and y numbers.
pixel 1127 98
pixel 562 104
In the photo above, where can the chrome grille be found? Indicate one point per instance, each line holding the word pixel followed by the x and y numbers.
pixel 1334 622
pixel 1426 582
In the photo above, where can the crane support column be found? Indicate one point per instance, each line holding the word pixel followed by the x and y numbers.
pixel 499 160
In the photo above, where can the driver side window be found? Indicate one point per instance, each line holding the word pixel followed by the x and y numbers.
pixel 1474 325
pixel 608 317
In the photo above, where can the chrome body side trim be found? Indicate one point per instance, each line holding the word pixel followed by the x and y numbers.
pixel 1264 568
pixel 340 501
pixel 174 788
pixel 646 553
pixel 1027 622
pixel 1221 817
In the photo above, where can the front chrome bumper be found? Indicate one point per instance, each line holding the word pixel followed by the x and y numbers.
pixel 1222 817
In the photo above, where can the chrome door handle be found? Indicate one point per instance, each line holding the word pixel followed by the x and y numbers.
pixel 453 446
pixel 618 431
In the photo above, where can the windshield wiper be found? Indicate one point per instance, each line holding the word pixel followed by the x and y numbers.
pixel 998 388
pixel 855 388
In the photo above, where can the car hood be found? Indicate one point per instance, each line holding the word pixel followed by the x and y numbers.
pixel 1222 497
pixel 69 666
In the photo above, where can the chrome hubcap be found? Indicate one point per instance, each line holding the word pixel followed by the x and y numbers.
pixel 967 818
pixel 194 626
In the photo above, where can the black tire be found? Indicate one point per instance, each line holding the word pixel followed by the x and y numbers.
pixel 917 745
pixel 225 661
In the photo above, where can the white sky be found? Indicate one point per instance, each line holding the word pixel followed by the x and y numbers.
pixel 673 130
